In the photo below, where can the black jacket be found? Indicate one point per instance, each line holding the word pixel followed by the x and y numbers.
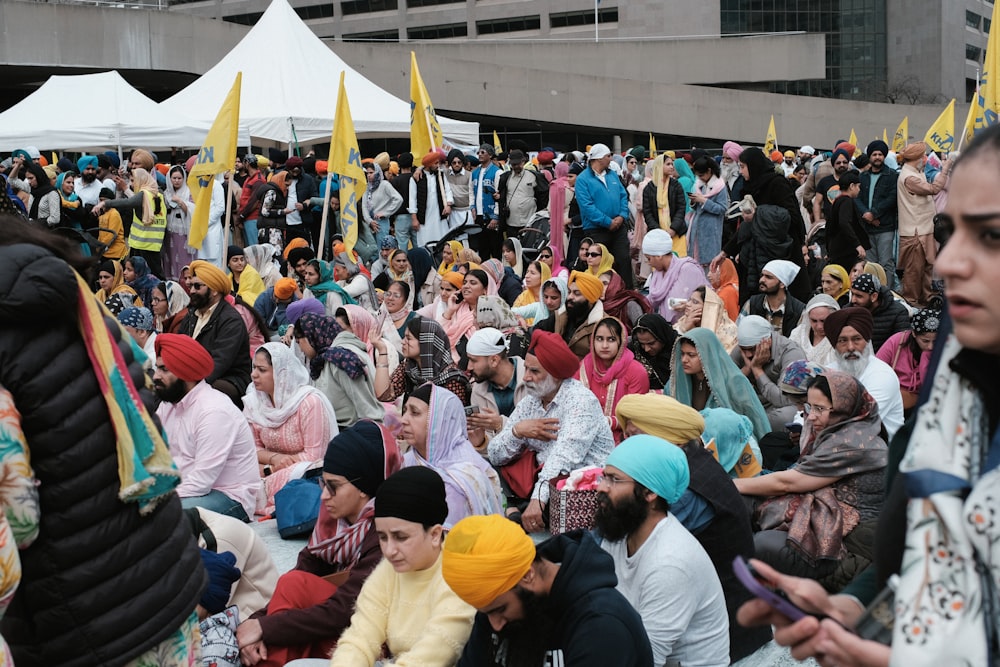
pixel 594 625
pixel 101 584
pixel 675 198
pixel 305 189
pixel 844 233
pixel 885 206
pixel 226 339
pixel 790 319
pixel 889 317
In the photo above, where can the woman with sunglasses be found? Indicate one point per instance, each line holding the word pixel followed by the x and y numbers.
pixel 313 603
pixel 550 255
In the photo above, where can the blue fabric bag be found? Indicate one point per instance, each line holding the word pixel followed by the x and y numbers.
pixel 296 507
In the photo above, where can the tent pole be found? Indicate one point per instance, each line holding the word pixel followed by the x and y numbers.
pixel 321 241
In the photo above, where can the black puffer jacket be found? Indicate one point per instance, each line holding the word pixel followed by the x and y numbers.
pixel 100 585
pixel 889 317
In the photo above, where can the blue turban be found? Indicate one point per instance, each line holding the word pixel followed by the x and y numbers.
pixel 86 161
pixel 839 151
pixel 137 318
pixel 115 160
pixel 655 463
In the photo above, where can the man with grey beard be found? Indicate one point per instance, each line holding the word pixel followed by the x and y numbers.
pixel 559 422
pixel 850 332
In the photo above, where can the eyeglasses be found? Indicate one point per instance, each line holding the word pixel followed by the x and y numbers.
pixel 331 487
pixel 196 287
pixel 612 481
pixel 819 409
pixel 594 254
pixel 157 299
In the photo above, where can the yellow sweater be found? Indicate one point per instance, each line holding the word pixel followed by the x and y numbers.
pixel 415 613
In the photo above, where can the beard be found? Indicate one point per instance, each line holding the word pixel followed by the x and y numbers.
pixel 730 171
pixel 578 310
pixel 616 521
pixel 542 388
pixel 170 394
pixel 199 300
pixel 854 363
pixel 88 177
pixel 523 643
pixel 762 289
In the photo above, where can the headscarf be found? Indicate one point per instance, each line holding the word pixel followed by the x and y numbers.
pixel 456 247
pixel 43 186
pixel 114 267
pixel 435 363
pixel 728 435
pixel 369 198
pixel 72 197
pixel 362 323
pixel 661 416
pixel 473 485
pixel 529 296
pixel 729 288
pixel 177 299
pixel 661 181
pixel 728 387
pixel 327 284
pixel 617 298
pixel 494 270
pixel 297 309
pixel 143 181
pixel 354 268
pixel 594 369
pixel 518 266
pixel 260 257
pixel 838 272
pixel 655 463
pixel 658 367
pixel 924 321
pixel 280 179
pixel 820 351
pixel 607 261
pixel 367 453
pixel 558 269
pixel 406 276
pixel 179 222
pixel 715 318
pixel 878 271
pixel 291 388
pixel 858 318
pixel 484 557
pixel 320 331
pixel 144 281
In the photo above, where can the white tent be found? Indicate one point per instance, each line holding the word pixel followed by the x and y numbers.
pixel 105 112
pixel 298 89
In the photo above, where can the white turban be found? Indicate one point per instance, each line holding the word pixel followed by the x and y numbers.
pixel 657 243
pixel 486 342
pixel 783 270
pixel 598 151
pixel 751 330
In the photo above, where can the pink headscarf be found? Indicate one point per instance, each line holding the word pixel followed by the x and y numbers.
pixel 362 323
pixel 557 207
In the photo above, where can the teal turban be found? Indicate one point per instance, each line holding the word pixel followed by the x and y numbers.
pixel 86 161
pixel 655 463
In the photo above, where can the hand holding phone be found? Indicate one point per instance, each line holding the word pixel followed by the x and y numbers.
pixel 766 591
pixel 471 410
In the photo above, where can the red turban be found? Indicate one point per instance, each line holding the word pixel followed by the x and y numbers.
pixel 546 156
pixel 184 357
pixel 858 318
pixel 553 354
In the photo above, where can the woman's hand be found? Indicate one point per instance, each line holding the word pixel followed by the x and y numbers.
pixel 250 638
pixel 842 648
pixel 280 461
pixel 378 343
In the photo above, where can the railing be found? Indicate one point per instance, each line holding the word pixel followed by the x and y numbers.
pixel 112 4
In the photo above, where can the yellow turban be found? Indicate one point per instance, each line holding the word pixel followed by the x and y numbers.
pixel 588 284
pixel 212 276
pixel 661 416
pixel 484 557
pixel 382 160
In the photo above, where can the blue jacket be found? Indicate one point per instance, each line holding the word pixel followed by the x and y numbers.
pixel 600 202
pixel 705 229
pixel 489 187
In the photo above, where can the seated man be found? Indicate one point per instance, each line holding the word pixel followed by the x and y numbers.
pixel 761 354
pixel 671 277
pixel 498 384
pixel 560 422
pixel 273 302
pixel 774 303
pixel 888 315
pixel 209 437
pixel 711 508
pixel 560 597
pixel 584 309
pixel 662 570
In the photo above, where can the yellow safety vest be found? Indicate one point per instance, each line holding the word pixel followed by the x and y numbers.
pixel 149 237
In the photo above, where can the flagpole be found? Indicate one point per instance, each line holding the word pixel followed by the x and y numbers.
pixel 596 34
pixel 229 206
pixel 321 242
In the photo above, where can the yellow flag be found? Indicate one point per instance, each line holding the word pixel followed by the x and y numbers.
pixel 217 155
pixel 941 135
pixel 975 111
pixel 652 146
pixel 902 135
pixel 345 162
pixel 496 143
pixel 771 141
pixel 853 140
pixel 425 132
pixel 885 136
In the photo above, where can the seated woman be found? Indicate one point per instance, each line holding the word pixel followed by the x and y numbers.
pixel 170 304
pixel 808 515
pixel 397 269
pixel 451 283
pixel 726 282
pixel 810 334
pixel 348 273
pixel 729 437
pixel 552 304
pixel 703 376
pixel 705 309
pixel 425 278
pixel 318 277
pixel 363 324
pixel 140 278
pixel 627 305
pixel 292 422
pixel 246 281
pixel 409 513
pixel 395 312
pixel 652 343
pixel 450 253
pixel 909 353
pixel 610 370
pixel 580 262
pixel 535 275
pixel 339 366
pixel 513 256
pixel 434 426
pixel 459 319
pixel 550 255
pixel 260 257
pixel 835 282
pixel 599 259
pixel 308 613
pixel 426 358
pixel 504 283
pixel 114 293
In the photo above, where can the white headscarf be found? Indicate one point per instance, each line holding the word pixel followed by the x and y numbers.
pixel 291 387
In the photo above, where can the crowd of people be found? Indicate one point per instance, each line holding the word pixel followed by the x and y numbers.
pixel 743 346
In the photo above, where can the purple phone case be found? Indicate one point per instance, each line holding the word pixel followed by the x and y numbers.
pixel 776 600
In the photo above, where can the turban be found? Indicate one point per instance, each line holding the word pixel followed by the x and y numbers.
pixel 783 270
pixel 358 454
pixel 106 193
pixel 847 148
pixel 662 416
pixel 877 145
pixel 212 276
pixel 86 161
pixel 184 357
pixel 866 283
pixel 189 163
pixel 113 157
pixel 546 156
pixel 389 243
pixel 490 150
pixel 839 151
pixel 276 155
pixel 453 277
pixel 295 243
pixel 32 152
pixel 789 154
pixel 598 151
pixel 752 329
pixel 137 318
pixel 877 271
pixel 64 165
pixel 856 317
pixel 913 152
pixel 382 160
pixel 455 153
pixel 483 557
pixel 431 159
pixel 655 463
pixel 926 321
pixel 292 162
pixel 144 158
pixel 732 150
pixel 795 377
pixel 553 354
pixel 638 152
pixel 486 342
pixel 234 251
pixel 657 243
pixel 808 150
pixel 775 156
pixel 297 309
pixel 285 288
pixel 589 285
pixel 322 166
pixel 413 494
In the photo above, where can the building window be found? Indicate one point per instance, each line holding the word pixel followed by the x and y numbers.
pixel 987 24
pixel 972 52
pixel 429 3
pixel 376 36
pixel 244 19
pixel 515 24
pixel 567 19
pixel 349 7
pixel 972 19
pixel 438 31
pixel 315 11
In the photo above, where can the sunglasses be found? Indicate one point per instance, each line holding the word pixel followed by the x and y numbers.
pixel 196 287
pixel 545 257
pixel 594 254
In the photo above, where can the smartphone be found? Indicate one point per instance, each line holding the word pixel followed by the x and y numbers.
pixel 471 410
pixel 766 591
pixel 793 427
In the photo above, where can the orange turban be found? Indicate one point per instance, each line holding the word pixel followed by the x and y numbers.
pixel 432 158
pixel 589 285
pixel 294 243
pixel 484 557
pixel 284 288
pixel 913 151
pixel 322 166
pixel 184 357
pixel 455 278
pixel 212 276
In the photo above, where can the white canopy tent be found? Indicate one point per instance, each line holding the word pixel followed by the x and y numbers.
pixel 107 113
pixel 298 91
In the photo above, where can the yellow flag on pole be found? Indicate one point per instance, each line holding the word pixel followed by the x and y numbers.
pixel 217 155
pixel 853 140
pixel 345 162
pixel 941 135
pixel 425 131
pixel 970 119
pixel 988 113
pixel 652 146
pixel 771 141
pixel 901 136
pixel 496 143
pixel 885 136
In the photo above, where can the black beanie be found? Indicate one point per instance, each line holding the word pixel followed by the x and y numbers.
pixel 358 454
pixel 297 254
pixel 414 494
pixel 235 251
